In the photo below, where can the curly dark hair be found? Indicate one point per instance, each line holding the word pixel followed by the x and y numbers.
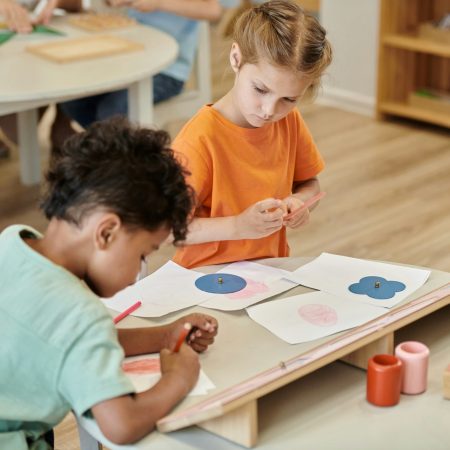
pixel 125 169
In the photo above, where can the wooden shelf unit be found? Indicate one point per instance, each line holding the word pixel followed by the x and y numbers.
pixel 408 62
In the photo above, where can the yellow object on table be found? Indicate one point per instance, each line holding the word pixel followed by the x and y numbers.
pixel 101 21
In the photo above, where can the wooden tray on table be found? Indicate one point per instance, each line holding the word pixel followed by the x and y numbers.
pixel 87 47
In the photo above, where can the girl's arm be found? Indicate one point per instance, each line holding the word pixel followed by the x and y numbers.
pixel 259 220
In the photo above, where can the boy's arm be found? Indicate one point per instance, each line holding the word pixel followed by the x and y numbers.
pixel 139 341
pixel 127 418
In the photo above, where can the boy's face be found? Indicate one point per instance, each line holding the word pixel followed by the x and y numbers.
pixel 116 265
pixel 264 93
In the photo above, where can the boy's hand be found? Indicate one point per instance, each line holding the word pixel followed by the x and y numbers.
pixel 15 16
pixel 204 329
pixel 296 215
pixel 184 365
pixel 261 219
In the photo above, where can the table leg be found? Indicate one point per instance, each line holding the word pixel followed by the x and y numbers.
pixel 140 102
pixel 360 357
pixel 30 166
pixel 239 425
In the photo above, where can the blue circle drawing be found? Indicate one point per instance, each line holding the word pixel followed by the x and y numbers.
pixel 377 287
pixel 220 283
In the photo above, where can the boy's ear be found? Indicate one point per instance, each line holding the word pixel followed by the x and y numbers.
pixel 107 230
pixel 235 57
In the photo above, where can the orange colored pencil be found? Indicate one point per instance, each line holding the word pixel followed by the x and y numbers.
pixel 187 327
pixel 307 204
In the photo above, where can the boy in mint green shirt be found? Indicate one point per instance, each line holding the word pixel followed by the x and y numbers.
pixel 114 194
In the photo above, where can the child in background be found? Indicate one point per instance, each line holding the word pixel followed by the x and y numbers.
pixel 251 156
pixel 17 16
pixel 114 194
pixel 180 19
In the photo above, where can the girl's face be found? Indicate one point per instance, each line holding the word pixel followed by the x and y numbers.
pixel 264 93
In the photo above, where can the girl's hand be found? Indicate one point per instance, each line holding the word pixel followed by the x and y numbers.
pixel 145 5
pixel 204 329
pixel 15 16
pixel 261 219
pixel 184 365
pixel 297 215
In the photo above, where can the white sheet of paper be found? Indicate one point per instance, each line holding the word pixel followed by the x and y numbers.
pixel 335 273
pixel 168 289
pixel 311 316
pixel 149 374
pixel 262 282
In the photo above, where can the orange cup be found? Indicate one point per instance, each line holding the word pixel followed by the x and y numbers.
pixel 384 380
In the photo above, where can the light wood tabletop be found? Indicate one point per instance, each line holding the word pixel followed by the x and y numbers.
pixel 243 349
pixel 28 81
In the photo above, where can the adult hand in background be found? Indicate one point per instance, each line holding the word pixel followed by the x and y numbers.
pixel 16 16
pixel 46 14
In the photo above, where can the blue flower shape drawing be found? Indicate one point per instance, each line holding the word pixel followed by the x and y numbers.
pixel 377 287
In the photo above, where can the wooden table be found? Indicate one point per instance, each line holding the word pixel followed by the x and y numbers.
pixel 28 81
pixel 294 409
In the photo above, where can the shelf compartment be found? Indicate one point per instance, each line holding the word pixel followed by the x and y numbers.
pixel 417 44
pixel 404 110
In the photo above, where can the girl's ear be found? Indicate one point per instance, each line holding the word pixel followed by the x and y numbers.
pixel 235 57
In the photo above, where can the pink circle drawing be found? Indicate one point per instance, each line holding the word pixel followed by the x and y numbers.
pixel 320 315
pixel 252 288
pixel 142 366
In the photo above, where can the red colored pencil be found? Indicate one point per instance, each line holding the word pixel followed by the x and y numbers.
pixel 187 327
pixel 127 312
pixel 307 204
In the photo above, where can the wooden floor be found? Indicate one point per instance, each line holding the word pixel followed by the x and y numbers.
pixel 388 187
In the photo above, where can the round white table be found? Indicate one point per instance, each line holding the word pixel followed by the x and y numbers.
pixel 28 81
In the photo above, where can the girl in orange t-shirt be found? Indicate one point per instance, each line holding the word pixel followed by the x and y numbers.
pixel 251 157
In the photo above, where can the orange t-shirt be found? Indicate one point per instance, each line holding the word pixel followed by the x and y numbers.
pixel 233 167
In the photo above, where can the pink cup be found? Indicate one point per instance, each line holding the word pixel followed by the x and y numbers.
pixel 414 356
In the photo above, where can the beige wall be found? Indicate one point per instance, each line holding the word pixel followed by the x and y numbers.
pixel 353 30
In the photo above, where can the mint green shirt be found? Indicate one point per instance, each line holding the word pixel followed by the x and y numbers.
pixel 58 344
